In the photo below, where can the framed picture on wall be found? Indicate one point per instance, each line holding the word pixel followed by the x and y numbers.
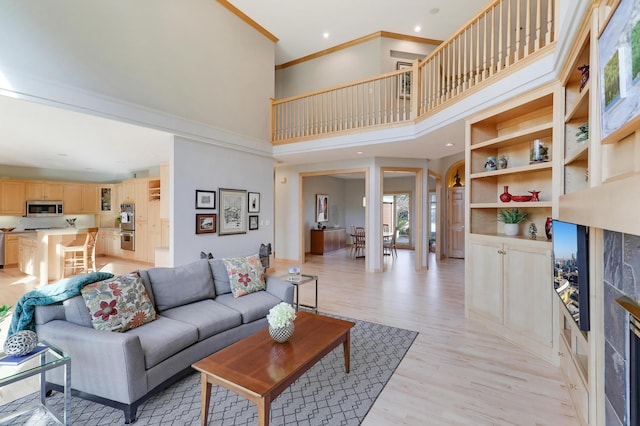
pixel 619 62
pixel 322 207
pixel 404 80
pixel 254 202
pixel 233 211
pixel 253 222
pixel 205 199
pixel 205 223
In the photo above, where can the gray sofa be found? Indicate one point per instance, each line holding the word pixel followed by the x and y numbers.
pixel 197 316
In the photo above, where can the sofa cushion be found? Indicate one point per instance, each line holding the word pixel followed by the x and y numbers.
pixel 163 338
pixel 76 312
pixel 181 285
pixel 118 304
pixel 146 282
pixel 252 306
pixel 245 274
pixel 220 276
pixel 207 316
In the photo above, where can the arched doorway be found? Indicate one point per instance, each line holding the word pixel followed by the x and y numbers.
pixel 455 210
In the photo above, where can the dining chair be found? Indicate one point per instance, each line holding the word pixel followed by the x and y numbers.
pixel 80 258
pixel 360 244
pixel 389 245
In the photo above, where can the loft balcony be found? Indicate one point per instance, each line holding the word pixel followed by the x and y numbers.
pixel 506 35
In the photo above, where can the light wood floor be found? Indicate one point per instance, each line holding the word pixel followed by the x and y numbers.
pixel 456 372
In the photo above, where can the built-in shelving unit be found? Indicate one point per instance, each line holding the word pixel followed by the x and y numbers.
pixel 508 278
pixel 154 189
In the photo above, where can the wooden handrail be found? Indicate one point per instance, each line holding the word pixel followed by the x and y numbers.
pixel 501 35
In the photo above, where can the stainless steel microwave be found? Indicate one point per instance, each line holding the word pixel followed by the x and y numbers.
pixel 44 208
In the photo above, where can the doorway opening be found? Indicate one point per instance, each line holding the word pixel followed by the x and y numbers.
pixel 397 213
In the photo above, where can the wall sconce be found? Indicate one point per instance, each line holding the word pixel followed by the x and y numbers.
pixel 283 180
pixel 364 201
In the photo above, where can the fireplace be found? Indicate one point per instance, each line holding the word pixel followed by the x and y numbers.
pixel 621 308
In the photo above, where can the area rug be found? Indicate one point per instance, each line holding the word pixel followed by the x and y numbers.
pixel 324 395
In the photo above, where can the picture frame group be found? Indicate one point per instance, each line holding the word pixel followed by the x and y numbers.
pixel 206 223
pixel 233 211
pixel 205 199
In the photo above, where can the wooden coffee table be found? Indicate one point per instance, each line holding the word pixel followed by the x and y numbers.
pixel 260 369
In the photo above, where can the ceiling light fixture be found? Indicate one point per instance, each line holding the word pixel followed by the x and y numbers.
pixel 448 144
pixel 417 29
pixel 325 35
pixel 359 152
pixel 434 11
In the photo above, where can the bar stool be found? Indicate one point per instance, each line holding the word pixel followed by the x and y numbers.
pixel 80 257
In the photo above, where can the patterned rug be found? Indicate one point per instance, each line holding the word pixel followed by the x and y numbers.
pixel 324 395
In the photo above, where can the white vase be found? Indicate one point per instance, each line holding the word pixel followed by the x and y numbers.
pixel 511 229
pixel 282 334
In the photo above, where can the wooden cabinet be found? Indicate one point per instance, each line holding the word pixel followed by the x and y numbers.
pixel 80 198
pixel 141 199
pixel 12 197
pixel 27 255
pixel 106 195
pixel 574 365
pixel 128 191
pixel 40 190
pixel 142 242
pixel 10 249
pixel 108 243
pixel 326 240
pixel 155 229
pixel 509 288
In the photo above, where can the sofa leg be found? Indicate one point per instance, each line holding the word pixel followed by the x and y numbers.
pixel 130 414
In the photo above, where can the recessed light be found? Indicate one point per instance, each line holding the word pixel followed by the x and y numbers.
pixel 448 144
pixel 434 11
pixel 359 152
pixel 325 35
pixel 417 28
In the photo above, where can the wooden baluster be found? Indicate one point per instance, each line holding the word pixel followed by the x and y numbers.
pixel 492 67
pixel 538 26
pixel 500 19
pixel 549 21
pixel 528 29
pixel 468 47
pixel 507 55
pixel 459 79
pixel 484 53
pixel 516 56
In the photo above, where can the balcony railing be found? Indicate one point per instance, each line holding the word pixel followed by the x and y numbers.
pixel 503 34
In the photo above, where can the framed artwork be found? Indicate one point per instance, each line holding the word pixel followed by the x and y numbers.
pixel 254 202
pixel 404 80
pixel 205 199
pixel 233 211
pixel 253 222
pixel 322 207
pixel 205 223
pixel 619 62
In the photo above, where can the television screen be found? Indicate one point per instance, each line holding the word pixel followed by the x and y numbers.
pixel 571 269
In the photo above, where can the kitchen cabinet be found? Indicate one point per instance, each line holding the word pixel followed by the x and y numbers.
pixel 10 249
pixel 12 197
pixel 108 243
pixel 27 255
pixel 164 238
pixel 44 191
pixel 155 230
pixel 128 191
pixel 80 198
pixel 106 194
pixel 143 250
pixel 141 199
pixel 509 290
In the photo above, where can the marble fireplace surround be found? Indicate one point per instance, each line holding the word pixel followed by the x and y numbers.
pixel 621 278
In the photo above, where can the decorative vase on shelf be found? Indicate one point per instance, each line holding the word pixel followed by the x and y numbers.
pixel 534 195
pixel 491 164
pixel 503 161
pixel 505 197
pixel 548 228
pixel 282 334
pixel 511 229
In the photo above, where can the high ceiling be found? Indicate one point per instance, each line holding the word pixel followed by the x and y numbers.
pixel 300 24
pixel 39 136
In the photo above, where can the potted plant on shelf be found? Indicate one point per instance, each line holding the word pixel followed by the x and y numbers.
pixel 511 219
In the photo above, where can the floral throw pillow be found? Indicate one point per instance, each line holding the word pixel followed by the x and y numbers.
pixel 245 274
pixel 119 303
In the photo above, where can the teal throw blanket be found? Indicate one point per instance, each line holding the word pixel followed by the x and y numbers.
pixel 24 314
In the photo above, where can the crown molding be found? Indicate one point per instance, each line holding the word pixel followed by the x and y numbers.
pixel 248 20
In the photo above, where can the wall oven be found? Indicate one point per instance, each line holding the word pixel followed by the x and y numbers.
pixel 128 240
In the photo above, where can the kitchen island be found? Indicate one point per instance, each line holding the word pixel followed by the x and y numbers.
pixel 43 258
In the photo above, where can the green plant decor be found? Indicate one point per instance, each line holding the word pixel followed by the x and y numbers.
pixel 511 216
pixel 4 312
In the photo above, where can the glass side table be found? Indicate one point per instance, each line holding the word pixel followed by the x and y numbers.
pixel 303 279
pixel 47 360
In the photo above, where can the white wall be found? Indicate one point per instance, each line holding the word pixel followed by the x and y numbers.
pixel 354 63
pixel 198 165
pixel 190 66
pixel 335 189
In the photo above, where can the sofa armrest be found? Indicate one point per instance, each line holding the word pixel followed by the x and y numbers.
pixel 106 364
pixel 280 288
